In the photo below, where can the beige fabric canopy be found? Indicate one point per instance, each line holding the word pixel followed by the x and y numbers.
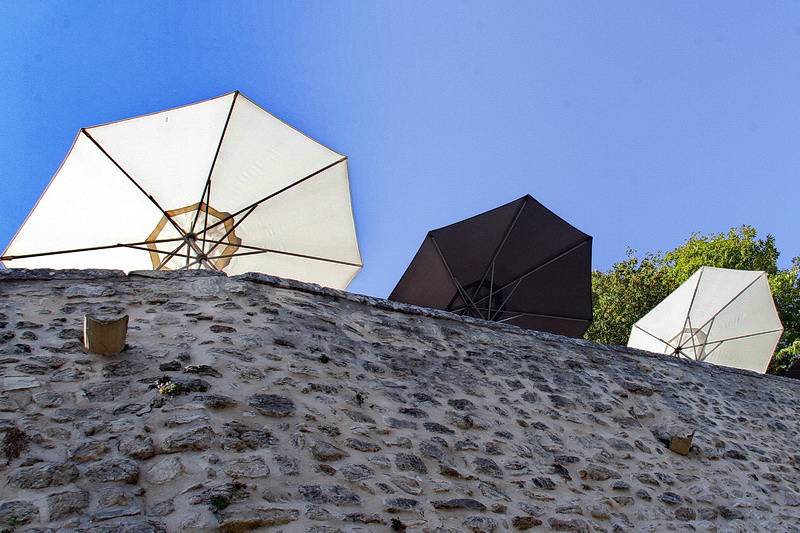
pixel 719 315
pixel 220 184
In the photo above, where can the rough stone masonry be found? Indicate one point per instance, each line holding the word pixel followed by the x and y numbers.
pixel 288 407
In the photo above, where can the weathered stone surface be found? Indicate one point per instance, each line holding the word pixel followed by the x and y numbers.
pixel 17 513
pixel 399 424
pixel 407 407
pixel 119 470
pixel 185 419
pixel 137 446
pixel 165 508
pixel 252 466
pixel 435 427
pixel 272 405
pixel 88 290
pixel 670 498
pixel 20 382
pixel 249 518
pixel 191 385
pixel 222 495
pixel 203 370
pixel 238 437
pixel 53 398
pixel 335 494
pixel 685 514
pixel 195 439
pixel 361 445
pixel 123 368
pixel 573 524
pixel 487 467
pixel 31 368
pixel 480 524
pixel 459 503
pixel 356 472
pixel 67 503
pixel 599 473
pixel 523 523
pixel 410 462
pixel 65 414
pixel 43 475
pixel 105 391
pixel 89 451
pixel 165 470
pixel 397 505
pixel 219 328
pixel 7 405
pixel 325 451
pixel 215 401
pixel 119 512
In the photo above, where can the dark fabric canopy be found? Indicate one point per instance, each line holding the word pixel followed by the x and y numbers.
pixel 794 370
pixel 519 263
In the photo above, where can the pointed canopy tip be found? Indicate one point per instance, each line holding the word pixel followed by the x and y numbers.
pixel 519 202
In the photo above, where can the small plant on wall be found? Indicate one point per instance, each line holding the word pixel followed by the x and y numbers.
pixel 166 387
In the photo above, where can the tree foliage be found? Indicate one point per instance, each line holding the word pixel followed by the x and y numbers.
pixel 739 248
pixel 631 288
pixel 785 285
pixel 624 294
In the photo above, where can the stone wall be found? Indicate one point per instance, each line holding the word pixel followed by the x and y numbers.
pixel 301 409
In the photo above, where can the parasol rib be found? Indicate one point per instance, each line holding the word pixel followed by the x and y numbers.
pixel 516 282
pixel 719 342
pixel 518 314
pixel 656 337
pixel 490 266
pixel 467 300
pixel 206 196
pixel 715 315
pixel 687 323
pixel 258 250
pixel 269 196
pixel 170 255
pixel 230 230
pixel 135 245
pixel 149 196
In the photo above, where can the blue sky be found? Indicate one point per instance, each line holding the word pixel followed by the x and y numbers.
pixel 637 122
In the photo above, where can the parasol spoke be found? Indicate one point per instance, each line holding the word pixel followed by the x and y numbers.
pixel 269 196
pixel 467 300
pixel 205 198
pixel 230 230
pixel 519 314
pixel 135 245
pixel 169 255
pixel 500 246
pixel 517 281
pixel 719 342
pixel 259 250
pixel 132 180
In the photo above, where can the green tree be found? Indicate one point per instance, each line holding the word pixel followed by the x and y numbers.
pixel 739 248
pixel 785 285
pixel 631 288
pixel 624 294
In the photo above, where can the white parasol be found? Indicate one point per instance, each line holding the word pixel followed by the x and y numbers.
pixel 220 184
pixel 718 315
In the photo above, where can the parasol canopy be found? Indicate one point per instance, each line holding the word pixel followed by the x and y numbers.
pixel 219 184
pixel 519 264
pixel 718 315
pixel 794 370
